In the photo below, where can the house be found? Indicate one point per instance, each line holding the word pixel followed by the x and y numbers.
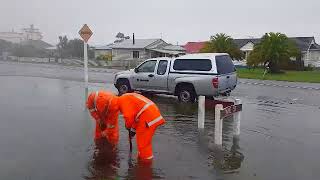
pixel 310 50
pixel 128 49
pixel 246 45
pixel 194 47
pixel 38 44
pixel 30 33
pixel 102 50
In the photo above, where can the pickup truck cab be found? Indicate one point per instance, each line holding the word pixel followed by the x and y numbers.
pixel 188 76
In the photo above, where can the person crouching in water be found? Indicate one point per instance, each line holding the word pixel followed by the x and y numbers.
pixel 142 117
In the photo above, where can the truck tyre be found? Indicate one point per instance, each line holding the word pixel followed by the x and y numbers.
pixel 187 94
pixel 123 86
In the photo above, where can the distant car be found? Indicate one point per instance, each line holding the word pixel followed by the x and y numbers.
pixel 188 76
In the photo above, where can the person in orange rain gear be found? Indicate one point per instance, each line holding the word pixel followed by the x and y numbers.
pixel 142 117
pixel 103 107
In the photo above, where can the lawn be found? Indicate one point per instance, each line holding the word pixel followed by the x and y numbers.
pixel 293 76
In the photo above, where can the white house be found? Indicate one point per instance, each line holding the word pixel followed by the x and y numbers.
pixel 102 50
pixel 30 33
pixel 310 50
pixel 140 49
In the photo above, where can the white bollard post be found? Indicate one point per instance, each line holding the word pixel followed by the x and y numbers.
pixel 218 125
pixel 237 118
pixel 85 57
pixel 201 112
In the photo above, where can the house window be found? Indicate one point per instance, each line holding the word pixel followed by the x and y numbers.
pixel 135 54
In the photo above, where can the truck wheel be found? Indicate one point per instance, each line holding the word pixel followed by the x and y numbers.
pixel 123 86
pixel 186 94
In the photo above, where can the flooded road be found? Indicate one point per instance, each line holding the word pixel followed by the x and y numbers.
pixel 46 133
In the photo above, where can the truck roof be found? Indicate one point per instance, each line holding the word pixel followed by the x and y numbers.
pixel 161 58
pixel 192 56
pixel 201 55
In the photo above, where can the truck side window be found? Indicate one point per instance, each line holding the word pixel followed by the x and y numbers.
pixel 192 65
pixel 162 67
pixel 147 67
pixel 224 64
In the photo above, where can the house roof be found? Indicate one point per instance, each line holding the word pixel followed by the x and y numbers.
pixel 139 43
pixel 173 52
pixel 37 44
pixel 241 42
pixel 302 43
pixel 194 47
pixel 171 47
pixel 105 47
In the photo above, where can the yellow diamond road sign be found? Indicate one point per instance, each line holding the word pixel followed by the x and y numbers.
pixel 85 33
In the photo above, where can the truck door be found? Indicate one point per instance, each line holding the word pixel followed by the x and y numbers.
pixel 144 75
pixel 160 82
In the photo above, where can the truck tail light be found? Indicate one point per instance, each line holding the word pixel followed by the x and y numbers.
pixel 215 82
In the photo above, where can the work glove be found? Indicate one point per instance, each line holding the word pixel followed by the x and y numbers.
pixel 102 125
pixel 131 133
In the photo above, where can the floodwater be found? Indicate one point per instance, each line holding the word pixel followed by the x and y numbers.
pixel 46 133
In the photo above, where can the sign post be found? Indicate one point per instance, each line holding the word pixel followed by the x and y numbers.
pixel 85 33
pixel 201 112
pixel 218 125
pixel 221 113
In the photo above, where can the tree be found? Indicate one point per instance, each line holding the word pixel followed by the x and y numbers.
pixel 62 46
pixel 28 51
pixel 120 37
pixel 72 48
pixel 222 43
pixel 275 49
pixel 5 46
pixel 75 48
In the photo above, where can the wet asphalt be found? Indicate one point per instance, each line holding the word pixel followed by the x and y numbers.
pixel 46 133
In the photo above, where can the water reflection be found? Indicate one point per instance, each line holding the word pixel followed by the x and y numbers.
pixel 234 158
pixel 141 170
pixel 183 118
pixel 182 124
pixel 105 161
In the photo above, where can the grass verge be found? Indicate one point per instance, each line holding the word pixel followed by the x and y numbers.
pixel 292 76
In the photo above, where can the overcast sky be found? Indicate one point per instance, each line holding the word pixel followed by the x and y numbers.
pixel 177 20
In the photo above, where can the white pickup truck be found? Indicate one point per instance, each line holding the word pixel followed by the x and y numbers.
pixel 188 76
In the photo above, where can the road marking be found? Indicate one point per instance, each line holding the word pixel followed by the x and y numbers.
pixel 278 85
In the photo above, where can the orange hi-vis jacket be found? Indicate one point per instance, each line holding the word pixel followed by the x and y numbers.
pixel 136 108
pixel 142 116
pixel 103 106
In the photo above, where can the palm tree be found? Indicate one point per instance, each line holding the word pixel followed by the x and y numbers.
pixel 222 43
pixel 274 49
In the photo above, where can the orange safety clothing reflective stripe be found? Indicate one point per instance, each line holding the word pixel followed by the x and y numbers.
pixel 144 108
pixel 155 121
